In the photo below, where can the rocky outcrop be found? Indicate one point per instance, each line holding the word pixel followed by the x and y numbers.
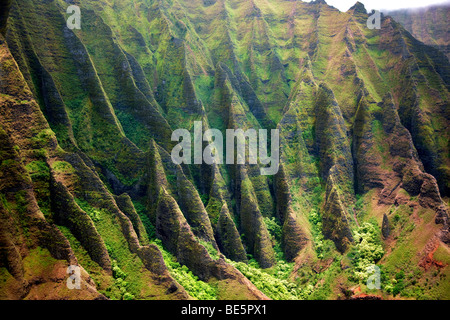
pixel 442 217
pixel 69 214
pixel 368 173
pixel 256 235
pixel 25 235
pixel 222 219
pixel 193 209
pixel 156 179
pixel 385 227
pixel 293 237
pixel 228 238
pixel 126 206
pixel 335 219
pixel 336 168
pixel 332 146
pixel 117 69
pixel 177 236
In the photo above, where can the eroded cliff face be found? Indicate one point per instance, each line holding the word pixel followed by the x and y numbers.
pixel 44 228
pixel 87 178
pixel 427 25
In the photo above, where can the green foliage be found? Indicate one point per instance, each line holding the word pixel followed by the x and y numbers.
pixel 40 175
pixel 275 286
pixel 204 198
pixel 62 167
pixel 317 194
pixel 275 232
pixel 397 285
pixel 142 212
pixel 282 270
pixel 42 138
pixel 137 277
pixel 209 247
pixel 324 247
pixel 95 271
pixel 127 296
pixel 171 179
pixel 134 130
pixel 38 262
pixel 204 85
pixel 367 250
pixel 117 272
pixel 38 170
pixel 120 282
pixel 92 212
pixel 4 201
pixel 196 288
pixel 273 227
pixel 359 203
pixel 111 165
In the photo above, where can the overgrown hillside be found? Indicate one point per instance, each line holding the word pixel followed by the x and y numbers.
pixel 428 25
pixel 87 179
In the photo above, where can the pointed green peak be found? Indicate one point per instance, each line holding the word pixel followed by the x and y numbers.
pixel 358 7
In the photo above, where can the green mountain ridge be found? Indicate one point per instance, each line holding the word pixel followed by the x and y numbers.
pixel 87 179
pixel 427 25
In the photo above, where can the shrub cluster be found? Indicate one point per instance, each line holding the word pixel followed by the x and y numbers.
pixel 367 250
pixel 322 246
pixel 196 288
pixel 276 287
pixel 119 281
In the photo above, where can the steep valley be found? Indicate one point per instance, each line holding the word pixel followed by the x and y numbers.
pixel 87 179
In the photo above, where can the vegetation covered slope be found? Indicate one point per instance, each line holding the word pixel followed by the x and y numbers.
pixel 86 118
pixel 428 25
